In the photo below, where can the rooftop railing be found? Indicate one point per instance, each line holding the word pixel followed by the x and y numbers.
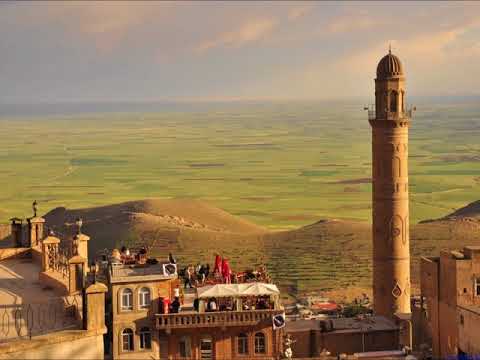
pixel 23 321
pixel 214 319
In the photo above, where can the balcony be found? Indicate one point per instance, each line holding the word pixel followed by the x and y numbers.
pixel 214 319
pixel 408 113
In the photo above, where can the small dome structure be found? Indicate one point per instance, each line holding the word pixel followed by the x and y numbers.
pixel 389 66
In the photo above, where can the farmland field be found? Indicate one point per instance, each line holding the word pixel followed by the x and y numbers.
pixel 280 165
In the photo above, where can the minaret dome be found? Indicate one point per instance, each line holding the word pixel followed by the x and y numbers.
pixel 389 66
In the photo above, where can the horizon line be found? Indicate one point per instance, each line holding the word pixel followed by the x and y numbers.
pixel 222 99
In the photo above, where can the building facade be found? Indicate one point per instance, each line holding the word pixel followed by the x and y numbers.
pixel 143 324
pixel 343 336
pixel 47 308
pixel 450 302
pixel 133 300
pixel 238 335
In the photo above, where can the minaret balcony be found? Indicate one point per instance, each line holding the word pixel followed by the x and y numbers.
pixel 397 115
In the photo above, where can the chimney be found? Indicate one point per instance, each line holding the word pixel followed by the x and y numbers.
pixel 16 230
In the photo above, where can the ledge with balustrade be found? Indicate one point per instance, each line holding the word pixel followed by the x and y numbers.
pixel 215 319
pixel 390 115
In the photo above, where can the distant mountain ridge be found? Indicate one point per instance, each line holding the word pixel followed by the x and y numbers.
pixel 472 210
pixel 468 213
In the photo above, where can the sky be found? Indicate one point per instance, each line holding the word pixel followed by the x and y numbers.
pixel 150 51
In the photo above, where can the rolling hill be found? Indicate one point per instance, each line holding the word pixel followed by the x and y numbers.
pixel 328 254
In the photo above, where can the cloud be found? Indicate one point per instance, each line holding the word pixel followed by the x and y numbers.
pixel 438 59
pixel 428 49
pixel 249 32
pixel 349 23
pixel 299 12
pixel 105 24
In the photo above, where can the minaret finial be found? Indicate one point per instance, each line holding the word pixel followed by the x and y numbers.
pixel 390 48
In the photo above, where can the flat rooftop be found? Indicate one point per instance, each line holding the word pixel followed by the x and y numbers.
pixel 19 283
pixel 29 308
pixel 472 308
pixel 146 272
pixel 345 325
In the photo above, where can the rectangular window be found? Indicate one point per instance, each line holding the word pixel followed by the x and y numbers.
pixel 127 340
pixel 144 299
pixel 206 349
pixel 242 344
pixel 145 340
pixel 127 299
pixel 259 343
pixel 185 348
pixel 477 286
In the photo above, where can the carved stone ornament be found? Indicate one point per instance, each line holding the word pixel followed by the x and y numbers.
pixel 397 290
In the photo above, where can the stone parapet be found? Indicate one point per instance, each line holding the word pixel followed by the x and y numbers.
pixel 49 252
pixel 82 241
pixel 66 344
pixel 13 252
pixel 76 274
pixel 94 315
pixel 55 281
pixel 35 230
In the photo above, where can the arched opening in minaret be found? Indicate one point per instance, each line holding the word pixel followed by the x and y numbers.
pixel 396 167
pixel 393 101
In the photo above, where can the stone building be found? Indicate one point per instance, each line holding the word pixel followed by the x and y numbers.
pixel 343 336
pixel 142 325
pixel 235 333
pixel 134 293
pixel 450 302
pixel 47 309
pixel 53 305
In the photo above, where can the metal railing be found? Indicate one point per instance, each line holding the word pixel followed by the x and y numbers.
pixel 61 263
pixel 408 113
pixel 24 321
pixel 214 319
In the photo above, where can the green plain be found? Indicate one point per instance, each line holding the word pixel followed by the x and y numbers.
pixel 281 165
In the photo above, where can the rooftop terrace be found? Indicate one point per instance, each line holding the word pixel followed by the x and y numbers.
pixel 19 282
pixel 145 272
pixel 28 307
pixel 345 325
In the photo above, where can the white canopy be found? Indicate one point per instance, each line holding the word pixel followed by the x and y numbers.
pixel 237 290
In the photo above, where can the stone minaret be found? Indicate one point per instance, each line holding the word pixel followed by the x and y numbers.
pixel 391 248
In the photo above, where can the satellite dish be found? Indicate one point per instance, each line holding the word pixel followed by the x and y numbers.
pixel 278 321
pixel 169 269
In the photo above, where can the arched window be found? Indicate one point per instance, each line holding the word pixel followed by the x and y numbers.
pixel 127 299
pixel 242 344
pixel 145 338
pixel 185 347
pixel 260 343
pixel 393 101
pixel 127 340
pixel 144 298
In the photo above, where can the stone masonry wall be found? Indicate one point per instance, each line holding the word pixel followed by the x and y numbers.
pixel 5 231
